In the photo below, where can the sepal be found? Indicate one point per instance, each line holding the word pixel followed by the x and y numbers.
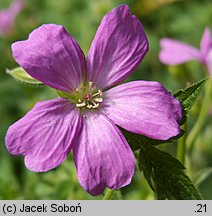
pixel 21 75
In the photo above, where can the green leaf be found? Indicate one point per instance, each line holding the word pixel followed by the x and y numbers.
pixel 188 96
pixel 165 175
pixel 145 165
pixel 21 75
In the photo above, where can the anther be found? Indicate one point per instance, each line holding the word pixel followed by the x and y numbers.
pixel 98 100
pixel 81 105
pixel 98 93
pixel 95 106
pixel 89 106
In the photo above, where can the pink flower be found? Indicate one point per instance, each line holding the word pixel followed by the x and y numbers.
pixel 7 16
pixel 174 52
pixel 85 119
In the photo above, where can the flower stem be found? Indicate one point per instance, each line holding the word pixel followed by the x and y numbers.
pixel 202 114
pixel 181 147
pixel 108 195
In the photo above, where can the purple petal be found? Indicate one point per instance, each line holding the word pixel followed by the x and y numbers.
pixel 52 56
pixel 209 62
pixel 45 135
pixel 174 52
pixel 6 22
pixel 145 108
pixel 103 157
pixel 205 45
pixel 16 6
pixel 118 48
pixel 7 16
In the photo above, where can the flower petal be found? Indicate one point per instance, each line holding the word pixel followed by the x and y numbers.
pixel 16 6
pixel 206 44
pixel 45 135
pixel 103 157
pixel 7 16
pixel 118 48
pixel 174 52
pixel 209 62
pixel 145 108
pixel 52 56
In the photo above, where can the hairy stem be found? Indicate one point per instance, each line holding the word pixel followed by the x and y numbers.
pixel 108 195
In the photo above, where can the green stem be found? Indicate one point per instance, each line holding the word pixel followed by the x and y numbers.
pixel 202 114
pixel 181 147
pixel 108 195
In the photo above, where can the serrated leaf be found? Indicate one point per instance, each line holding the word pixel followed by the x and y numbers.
pixel 188 97
pixel 145 165
pixel 21 75
pixel 165 174
pixel 165 158
pixel 177 184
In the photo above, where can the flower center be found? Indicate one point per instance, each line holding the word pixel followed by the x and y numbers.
pixel 84 97
pixel 88 97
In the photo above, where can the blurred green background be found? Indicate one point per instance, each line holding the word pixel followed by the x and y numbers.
pixel 183 20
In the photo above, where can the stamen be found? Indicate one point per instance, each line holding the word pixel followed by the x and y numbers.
pixel 93 103
pixel 81 105
pixel 90 85
pixel 95 106
pixel 98 93
pixel 88 96
pixel 98 100
pixel 89 106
